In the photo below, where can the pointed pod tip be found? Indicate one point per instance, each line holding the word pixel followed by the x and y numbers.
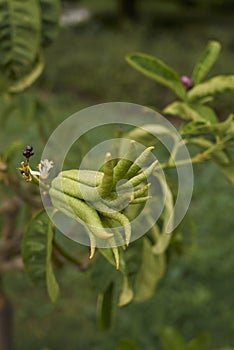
pixel 103 235
pixel 108 156
pixel 154 164
pixel 92 252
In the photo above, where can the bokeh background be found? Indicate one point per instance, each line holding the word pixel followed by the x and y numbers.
pixel 86 66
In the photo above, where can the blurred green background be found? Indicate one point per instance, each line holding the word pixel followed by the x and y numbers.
pixel 86 66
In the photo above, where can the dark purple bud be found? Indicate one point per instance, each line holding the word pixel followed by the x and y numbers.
pixel 28 152
pixel 187 82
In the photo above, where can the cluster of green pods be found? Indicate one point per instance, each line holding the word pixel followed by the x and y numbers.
pixel 97 199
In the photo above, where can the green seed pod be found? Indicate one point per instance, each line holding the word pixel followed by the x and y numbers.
pixel 75 189
pixel 123 220
pixel 87 177
pixel 105 188
pixel 115 251
pixel 124 164
pixel 91 197
pixel 142 191
pixel 141 200
pixel 139 162
pixel 120 202
pixel 93 244
pixel 138 179
pixel 118 237
pixel 85 213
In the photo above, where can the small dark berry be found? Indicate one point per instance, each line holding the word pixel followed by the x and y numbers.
pixel 25 153
pixel 28 152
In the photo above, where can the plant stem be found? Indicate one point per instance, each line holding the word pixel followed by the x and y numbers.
pixel 197 159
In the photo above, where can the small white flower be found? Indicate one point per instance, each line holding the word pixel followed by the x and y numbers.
pixel 44 168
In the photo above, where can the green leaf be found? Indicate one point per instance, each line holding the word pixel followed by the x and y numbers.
pixel 108 254
pixel 165 237
pixel 28 79
pixel 186 111
pixel 36 253
pixel 102 273
pixel 105 307
pixel 182 110
pixel 171 339
pixel 126 294
pixel 206 113
pixel 194 127
pixel 50 14
pixel 151 270
pixel 127 344
pixel 206 61
pixel 51 283
pixel 197 127
pixel 20 37
pixel 212 87
pixel 158 71
pixel 201 342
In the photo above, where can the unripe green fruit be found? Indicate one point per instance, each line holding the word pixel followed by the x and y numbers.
pixel 91 197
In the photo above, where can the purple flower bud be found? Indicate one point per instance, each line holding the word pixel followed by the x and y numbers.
pixel 187 82
pixel 28 152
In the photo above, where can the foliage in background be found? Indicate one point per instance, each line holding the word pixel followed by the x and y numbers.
pixel 145 259
pixel 201 126
pixel 26 28
pixel 171 340
pixel 109 269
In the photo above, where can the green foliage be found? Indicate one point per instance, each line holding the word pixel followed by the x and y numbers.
pixel 158 71
pixel 37 252
pixel 81 187
pixel 25 27
pixel 127 344
pixel 29 78
pixel 50 16
pixel 105 307
pixel 20 39
pixel 199 119
pixel 208 58
pixel 188 111
pixel 143 264
pixel 172 340
pixel 151 270
pixel 212 87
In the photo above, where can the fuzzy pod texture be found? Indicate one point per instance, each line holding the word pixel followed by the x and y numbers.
pixel 95 199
